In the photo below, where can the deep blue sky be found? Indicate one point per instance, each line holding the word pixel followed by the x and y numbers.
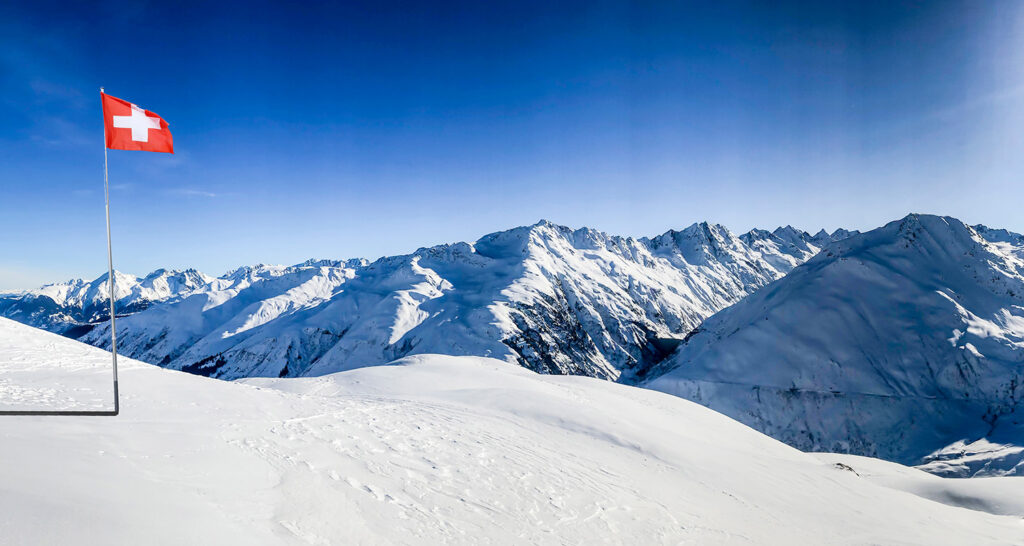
pixel 318 130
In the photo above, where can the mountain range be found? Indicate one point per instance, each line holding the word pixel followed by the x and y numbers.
pixel 552 299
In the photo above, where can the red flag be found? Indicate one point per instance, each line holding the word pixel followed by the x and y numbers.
pixel 129 127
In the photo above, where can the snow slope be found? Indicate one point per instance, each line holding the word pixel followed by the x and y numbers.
pixel 431 449
pixel 895 343
pixel 43 371
pixel 1002 496
pixel 550 298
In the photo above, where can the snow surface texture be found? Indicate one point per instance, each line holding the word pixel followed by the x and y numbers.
pixel 895 343
pixel 552 299
pixel 43 371
pixel 437 449
pixel 1003 496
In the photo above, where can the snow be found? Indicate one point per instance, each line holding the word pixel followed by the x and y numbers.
pixel 431 449
pixel 42 371
pixel 1000 496
pixel 894 343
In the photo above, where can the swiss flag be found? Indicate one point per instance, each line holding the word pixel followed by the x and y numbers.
pixel 129 127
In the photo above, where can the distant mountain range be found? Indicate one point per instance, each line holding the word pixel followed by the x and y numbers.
pixel 547 297
pixel 64 307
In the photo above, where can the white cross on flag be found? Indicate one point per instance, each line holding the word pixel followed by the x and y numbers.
pixel 129 127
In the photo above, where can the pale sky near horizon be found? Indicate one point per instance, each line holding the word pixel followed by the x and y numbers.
pixel 324 131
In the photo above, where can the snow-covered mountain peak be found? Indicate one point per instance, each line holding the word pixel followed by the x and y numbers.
pixel 120 278
pixel 932 230
pixel 166 283
pixel 158 273
pixel 999 235
pixel 699 244
pixel 790 234
pixel 756 234
pixel 352 263
pixel 251 271
pixel 972 260
pixel 705 232
pixel 510 242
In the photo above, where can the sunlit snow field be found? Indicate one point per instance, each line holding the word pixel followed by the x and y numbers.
pixel 45 372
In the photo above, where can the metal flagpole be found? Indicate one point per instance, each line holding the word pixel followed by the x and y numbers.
pixel 110 267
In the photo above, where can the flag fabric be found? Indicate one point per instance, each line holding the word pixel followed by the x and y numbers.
pixel 129 127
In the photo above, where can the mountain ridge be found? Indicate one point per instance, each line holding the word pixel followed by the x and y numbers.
pixel 552 298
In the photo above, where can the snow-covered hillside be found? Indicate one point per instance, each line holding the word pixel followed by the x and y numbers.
pixel 895 343
pixel 552 299
pixel 431 450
